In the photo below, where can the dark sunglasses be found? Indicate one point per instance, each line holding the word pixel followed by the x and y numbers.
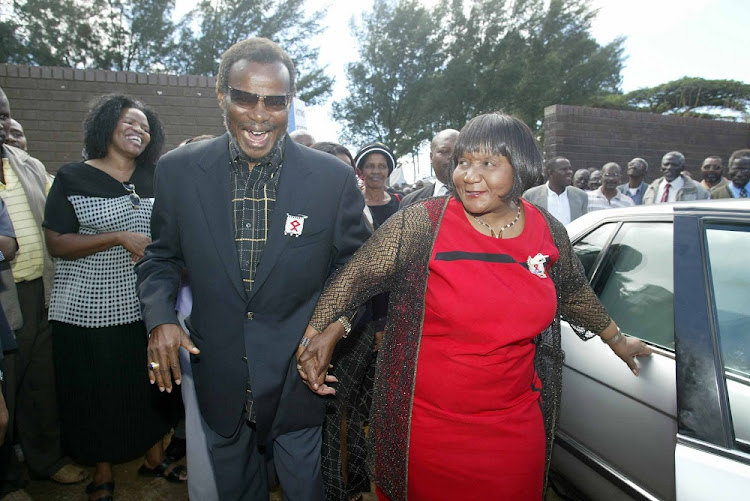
pixel 134 198
pixel 249 100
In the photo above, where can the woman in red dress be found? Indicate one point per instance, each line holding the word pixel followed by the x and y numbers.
pixel 468 382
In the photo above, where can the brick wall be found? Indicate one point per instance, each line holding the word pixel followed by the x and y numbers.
pixel 51 103
pixel 591 137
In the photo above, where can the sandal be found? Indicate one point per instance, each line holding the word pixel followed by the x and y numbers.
pixel 161 471
pixel 106 486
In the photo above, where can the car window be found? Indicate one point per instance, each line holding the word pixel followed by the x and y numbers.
pixel 635 282
pixel 730 280
pixel 730 283
pixel 588 248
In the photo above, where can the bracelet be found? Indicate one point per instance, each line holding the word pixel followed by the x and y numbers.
pixel 347 325
pixel 613 339
pixel 304 341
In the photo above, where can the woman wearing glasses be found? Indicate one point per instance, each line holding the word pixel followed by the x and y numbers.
pixel 97 222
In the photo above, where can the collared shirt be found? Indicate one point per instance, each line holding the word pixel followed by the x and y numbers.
pixel 437 187
pixel 674 189
pixel 28 264
pixel 253 200
pixel 558 205
pixel 597 201
pixel 635 194
pixel 735 190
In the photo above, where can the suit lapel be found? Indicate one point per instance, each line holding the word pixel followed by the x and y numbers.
pixel 291 198
pixel 214 196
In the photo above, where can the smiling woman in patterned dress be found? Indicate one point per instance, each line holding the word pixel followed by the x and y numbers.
pixel 97 225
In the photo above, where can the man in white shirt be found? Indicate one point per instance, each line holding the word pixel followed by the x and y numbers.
pixel 441 158
pixel 563 201
pixel 674 186
pixel 607 196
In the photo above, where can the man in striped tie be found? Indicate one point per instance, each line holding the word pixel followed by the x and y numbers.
pixel 739 175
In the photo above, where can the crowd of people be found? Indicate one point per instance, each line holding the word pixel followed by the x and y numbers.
pixel 325 329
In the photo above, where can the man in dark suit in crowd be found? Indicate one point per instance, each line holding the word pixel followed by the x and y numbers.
pixel 562 200
pixel 441 157
pixel 259 223
pixel 739 175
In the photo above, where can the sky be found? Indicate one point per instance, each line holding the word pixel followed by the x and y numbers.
pixel 665 40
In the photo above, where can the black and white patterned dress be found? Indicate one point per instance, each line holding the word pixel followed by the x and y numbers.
pixel 109 411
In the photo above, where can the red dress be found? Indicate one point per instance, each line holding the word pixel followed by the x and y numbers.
pixel 476 428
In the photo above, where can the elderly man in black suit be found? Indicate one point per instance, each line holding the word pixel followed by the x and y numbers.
pixel 259 223
pixel 441 158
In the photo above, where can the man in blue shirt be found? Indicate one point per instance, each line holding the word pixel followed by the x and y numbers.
pixel 635 187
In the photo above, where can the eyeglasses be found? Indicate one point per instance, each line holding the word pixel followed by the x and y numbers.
pixel 249 100
pixel 134 198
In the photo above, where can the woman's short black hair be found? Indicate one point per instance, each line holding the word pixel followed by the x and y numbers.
pixel 500 134
pixel 102 120
pixel 333 149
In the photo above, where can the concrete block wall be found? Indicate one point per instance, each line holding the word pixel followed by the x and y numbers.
pixel 591 137
pixel 51 104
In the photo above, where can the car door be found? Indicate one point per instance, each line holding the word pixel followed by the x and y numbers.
pixel 616 433
pixel 712 331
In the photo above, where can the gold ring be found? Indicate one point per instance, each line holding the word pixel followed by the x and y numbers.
pixel 153 365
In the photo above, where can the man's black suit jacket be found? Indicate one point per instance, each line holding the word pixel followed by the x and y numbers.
pixel 415 196
pixel 192 226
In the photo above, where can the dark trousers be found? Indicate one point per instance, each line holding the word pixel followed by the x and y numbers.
pixel 31 396
pixel 240 471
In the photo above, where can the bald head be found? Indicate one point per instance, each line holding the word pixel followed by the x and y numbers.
pixel 441 153
pixel 302 137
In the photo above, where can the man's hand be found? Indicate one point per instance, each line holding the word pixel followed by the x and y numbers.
pixel 163 347
pixel 314 361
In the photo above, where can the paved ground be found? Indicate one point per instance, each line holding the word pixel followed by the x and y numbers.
pixel 131 487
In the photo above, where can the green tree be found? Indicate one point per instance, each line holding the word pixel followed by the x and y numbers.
pixel 109 34
pixel 389 87
pixel 468 57
pixel 687 96
pixel 222 23
pixel 51 33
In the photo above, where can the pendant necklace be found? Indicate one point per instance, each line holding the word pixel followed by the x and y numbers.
pixel 501 230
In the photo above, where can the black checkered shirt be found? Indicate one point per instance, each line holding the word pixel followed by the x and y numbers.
pixel 253 201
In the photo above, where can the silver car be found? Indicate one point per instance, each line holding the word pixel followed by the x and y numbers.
pixel 676 276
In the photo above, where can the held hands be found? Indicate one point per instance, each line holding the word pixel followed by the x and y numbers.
pixel 163 358
pixel 314 360
pixel 627 348
pixel 135 243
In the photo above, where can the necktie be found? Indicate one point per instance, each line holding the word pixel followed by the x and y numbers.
pixel 665 196
pixel 743 193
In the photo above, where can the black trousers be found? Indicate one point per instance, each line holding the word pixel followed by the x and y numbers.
pixel 31 395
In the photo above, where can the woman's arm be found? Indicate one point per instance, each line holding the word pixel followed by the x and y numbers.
pixel 74 246
pixel 373 269
pixel 580 306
